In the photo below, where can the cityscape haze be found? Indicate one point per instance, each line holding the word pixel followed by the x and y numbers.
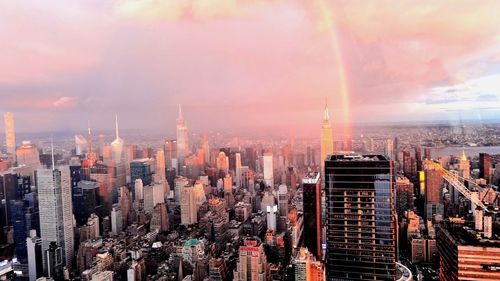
pixel 265 140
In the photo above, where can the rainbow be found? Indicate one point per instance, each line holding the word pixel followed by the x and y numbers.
pixel 328 19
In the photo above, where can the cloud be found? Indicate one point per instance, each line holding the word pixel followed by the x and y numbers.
pixel 65 102
pixel 156 10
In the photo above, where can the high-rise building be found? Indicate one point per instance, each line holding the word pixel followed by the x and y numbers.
pixel 138 190
pixel 159 219
pixel 283 207
pixel 117 144
pixel 427 153
pixel 465 256
pixel 252 262
pixel 188 206
pixel 141 169
pixel 326 138
pixel 307 267
pixel 223 162
pixel 464 166
pixel 160 172
pixel 404 195
pixel 238 169
pixel 206 149
pixel 125 203
pixel 271 217
pixel 116 220
pixel 433 193
pixel 311 198
pixel 10 135
pixel 361 219
pixel 35 261
pixel 389 149
pixel 485 166
pixel 55 209
pixel 180 183
pixel 170 147
pixel 182 138
pixel 27 155
pixel 267 160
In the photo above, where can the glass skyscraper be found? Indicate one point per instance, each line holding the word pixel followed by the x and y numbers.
pixel 361 218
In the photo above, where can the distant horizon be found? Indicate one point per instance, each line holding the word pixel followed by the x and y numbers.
pixel 256 65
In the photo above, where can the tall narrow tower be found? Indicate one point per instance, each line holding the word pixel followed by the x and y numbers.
pixel 326 139
pixel 182 138
pixel 10 136
pixel 117 144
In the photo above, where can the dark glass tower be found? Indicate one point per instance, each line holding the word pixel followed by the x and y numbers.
pixel 311 187
pixel 361 218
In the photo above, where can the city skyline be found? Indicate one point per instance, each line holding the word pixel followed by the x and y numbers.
pixel 263 65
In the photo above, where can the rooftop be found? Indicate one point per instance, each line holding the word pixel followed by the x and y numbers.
pixel 357 157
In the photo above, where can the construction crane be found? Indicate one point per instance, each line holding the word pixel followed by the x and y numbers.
pixel 457 182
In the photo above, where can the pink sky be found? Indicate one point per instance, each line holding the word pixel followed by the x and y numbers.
pixel 245 66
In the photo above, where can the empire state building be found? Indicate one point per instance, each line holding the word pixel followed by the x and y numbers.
pixel 182 138
pixel 326 139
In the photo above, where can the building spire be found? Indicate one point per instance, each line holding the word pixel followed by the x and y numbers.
pixel 180 113
pixel 463 156
pixel 326 115
pixel 52 151
pixel 116 125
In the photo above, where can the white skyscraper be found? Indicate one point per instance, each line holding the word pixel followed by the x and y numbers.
pixel 10 136
pixel 139 190
pixel 56 211
pixel 34 247
pixel 271 217
pixel 116 220
pixel 117 144
pixel 182 138
pixel 268 169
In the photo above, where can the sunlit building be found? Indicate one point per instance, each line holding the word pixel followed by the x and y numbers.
pixel 252 262
pixel 10 135
pixel 117 144
pixel 182 138
pixel 27 155
pixel 267 160
pixel 326 138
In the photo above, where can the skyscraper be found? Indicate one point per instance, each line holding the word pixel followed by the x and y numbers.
pixel 252 262
pixel 464 166
pixel 433 193
pixel 267 160
pixel 141 169
pixel 56 218
pixel 160 172
pixel 182 138
pixel 27 155
pixel 326 138
pixel 238 169
pixel 485 166
pixel 361 230
pixel 170 148
pixel 311 186
pixel 10 135
pixel 188 206
pixel 389 149
pixel 117 144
